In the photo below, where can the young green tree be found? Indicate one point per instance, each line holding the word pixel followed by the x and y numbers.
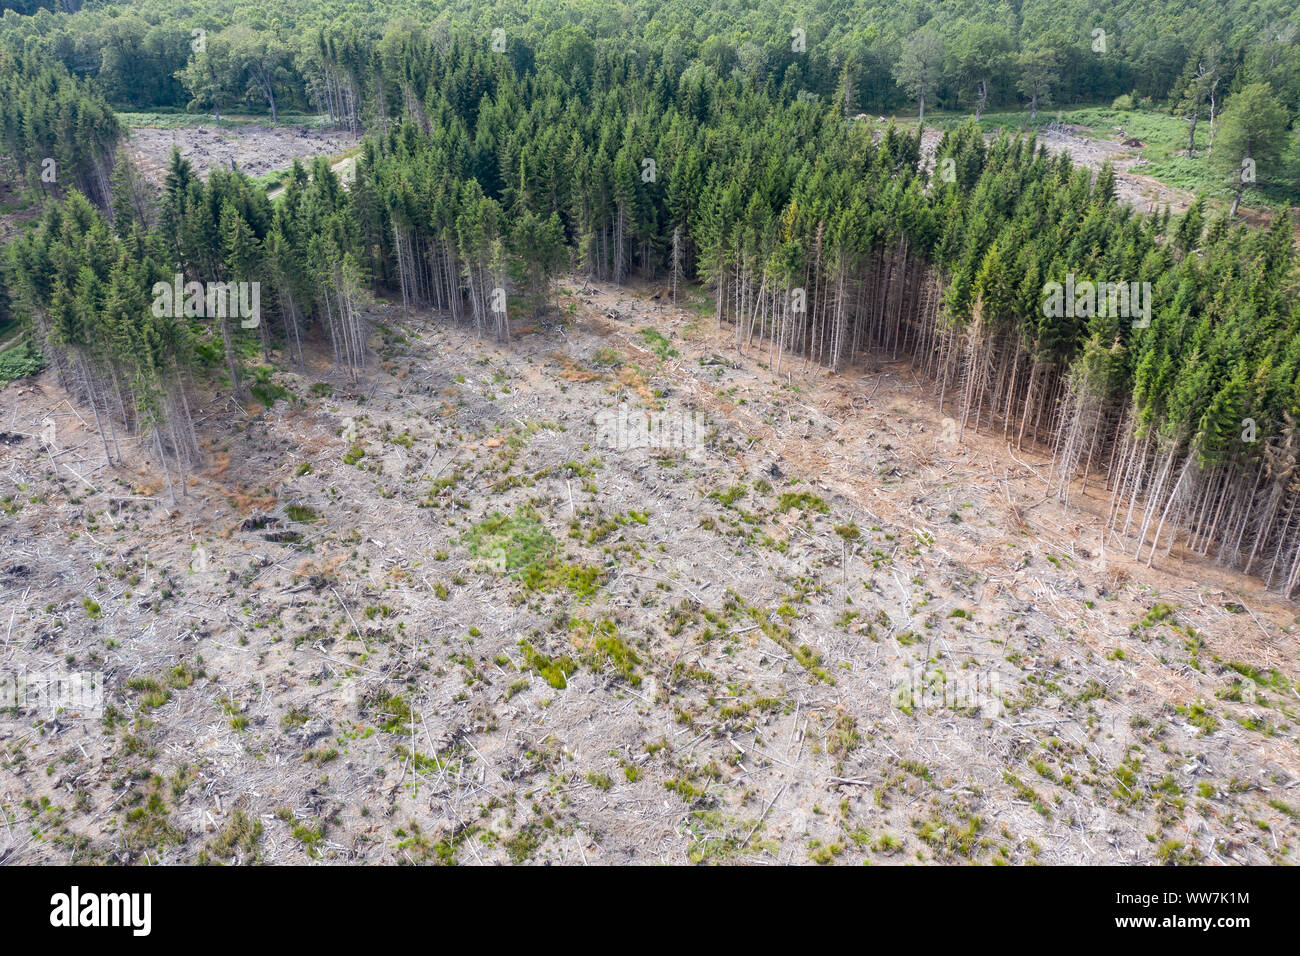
pixel 981 52
pixel 537 246
pixel 259 58
pixel 920 66
pixel 212 76
pixel 1202 83
pixel 1251 140
pixel 1038 77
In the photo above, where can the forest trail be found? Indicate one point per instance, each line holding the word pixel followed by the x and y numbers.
pixel 345 169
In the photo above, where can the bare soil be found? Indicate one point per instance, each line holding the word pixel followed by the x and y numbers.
pixel 1142 192
pixel 307 659
pixel 254 148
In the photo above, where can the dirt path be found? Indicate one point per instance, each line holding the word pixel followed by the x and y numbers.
pixel 12 341
pixel 345 169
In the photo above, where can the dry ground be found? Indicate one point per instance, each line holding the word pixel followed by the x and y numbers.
pixel 688 656
pixel 1144 193
pixel 256 149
